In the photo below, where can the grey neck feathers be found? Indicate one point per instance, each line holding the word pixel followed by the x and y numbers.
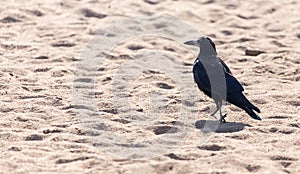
pixel 206 49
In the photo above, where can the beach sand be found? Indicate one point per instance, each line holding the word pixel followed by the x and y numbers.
pixel 104 86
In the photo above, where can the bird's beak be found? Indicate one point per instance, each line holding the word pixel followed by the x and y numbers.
pixel 192 42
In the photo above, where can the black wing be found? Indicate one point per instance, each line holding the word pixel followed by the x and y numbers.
pixel 232 84
pixel 226 68
pixel 203 81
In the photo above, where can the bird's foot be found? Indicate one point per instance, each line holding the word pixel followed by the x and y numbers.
pixel 222 119
pixel 212 115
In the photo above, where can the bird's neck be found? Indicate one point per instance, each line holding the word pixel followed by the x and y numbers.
pixel 206 49
pixel 207 52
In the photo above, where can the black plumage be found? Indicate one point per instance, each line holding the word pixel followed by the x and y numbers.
pixel 215 79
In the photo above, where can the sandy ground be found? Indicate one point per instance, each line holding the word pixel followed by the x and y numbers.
pixel 105 86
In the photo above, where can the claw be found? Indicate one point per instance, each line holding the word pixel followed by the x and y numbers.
pixel 212 115
pixel 222 119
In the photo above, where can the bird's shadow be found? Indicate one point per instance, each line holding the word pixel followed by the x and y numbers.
pixel 207 126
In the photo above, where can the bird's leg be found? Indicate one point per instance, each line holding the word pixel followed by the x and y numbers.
pixel 222 117
pixel 216 110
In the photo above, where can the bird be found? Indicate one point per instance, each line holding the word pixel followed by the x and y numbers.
pixel 214 78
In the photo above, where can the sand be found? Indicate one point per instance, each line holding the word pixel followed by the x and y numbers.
pixel 105 86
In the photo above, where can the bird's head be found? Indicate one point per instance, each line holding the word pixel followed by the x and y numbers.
pixel 203 42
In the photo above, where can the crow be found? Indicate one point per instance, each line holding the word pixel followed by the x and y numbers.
pixel 215 79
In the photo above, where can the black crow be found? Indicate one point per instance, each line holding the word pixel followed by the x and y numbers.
pixel 215 79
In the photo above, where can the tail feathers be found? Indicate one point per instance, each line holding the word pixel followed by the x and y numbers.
pixel 239 100
pixel 252 113
pixel 249 107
